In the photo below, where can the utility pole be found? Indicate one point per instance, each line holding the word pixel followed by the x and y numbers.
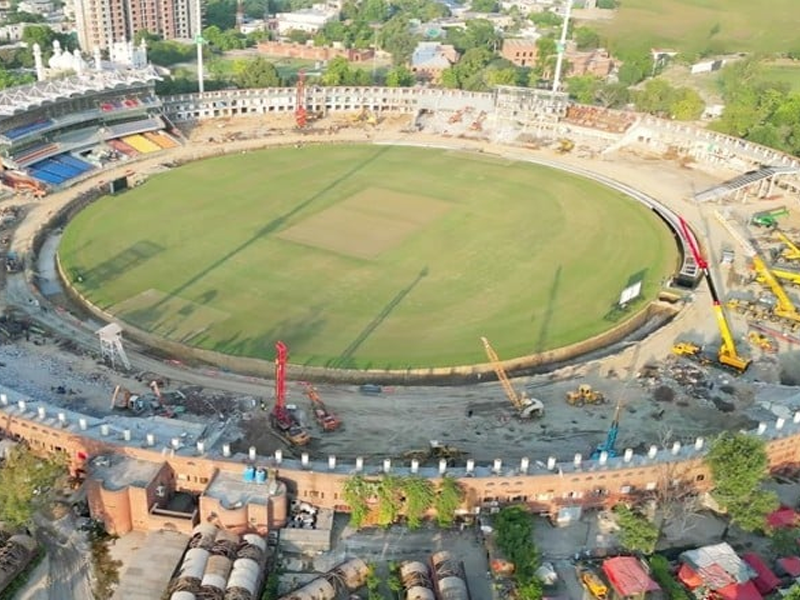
pixel 198 39
pixel 561 48
pixel 376 28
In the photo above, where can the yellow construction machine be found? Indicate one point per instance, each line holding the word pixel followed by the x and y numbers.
pixel 784 307
pixel 592 582
pixel 565 146
pixel 585 395
pixel 760 340
pixel 526 408
pixel 690 350
pixel 791 251
pixel 727 355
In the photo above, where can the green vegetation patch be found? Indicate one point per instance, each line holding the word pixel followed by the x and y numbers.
pixel 367 256
pixel 715 26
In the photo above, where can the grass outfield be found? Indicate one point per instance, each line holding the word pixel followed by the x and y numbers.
pixel 366 256
pixel 687 25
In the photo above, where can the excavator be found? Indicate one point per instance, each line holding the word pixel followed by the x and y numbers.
pixel 325 418
pixel 284 421
pixel 526 408
pixel 585 395
pixel 727 355
pixel 609 446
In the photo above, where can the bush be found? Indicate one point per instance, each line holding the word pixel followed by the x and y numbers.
pixel 662 574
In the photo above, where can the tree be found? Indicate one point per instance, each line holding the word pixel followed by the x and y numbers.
pixel 636 66
pixel 613 95
pixel 514 530
pixel 485 6
pixel 400 76
pixel 739 465
pixel 25 480
pixel 686 105
pixel 447 500
pixel 257 73
pixel 637 533
pixel 662 574
pixel 418 494
pixel 545 18
pixel 340 73
pixel 586 38
pixel 793 593
pixel 583 88
pixel 356 492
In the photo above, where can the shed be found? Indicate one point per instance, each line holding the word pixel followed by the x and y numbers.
pixel 766 581
pixel 741 591
pixel 790 565
pixel 628 577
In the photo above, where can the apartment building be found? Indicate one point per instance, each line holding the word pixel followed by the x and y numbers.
pixel 100 23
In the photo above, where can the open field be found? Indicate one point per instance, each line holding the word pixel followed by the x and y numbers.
pixel 366 256
pixel 697 25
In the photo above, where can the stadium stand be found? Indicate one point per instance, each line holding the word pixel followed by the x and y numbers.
pixel 122 148
pixel 141 144
pixel 600 118
pixel 133 127
pixel 162 139
pixel 19 132
pixel 35 153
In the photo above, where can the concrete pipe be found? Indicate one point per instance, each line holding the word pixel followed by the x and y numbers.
pixel 419 593
pixel 194 563
pixel 354 573
pixel 445 565
pixel 182 595
pixel 256 540
pixel 218 569
pixel 318 589
pixel 453 588
pixel 415 574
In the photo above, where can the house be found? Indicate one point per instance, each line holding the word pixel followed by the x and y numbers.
pixel 430 59
pixel 719 569
pixel 596 62
pixel 766 581
pixel 783 518
pixel 521 52
pixel 628 578
pixel 310 20
pixel 789 566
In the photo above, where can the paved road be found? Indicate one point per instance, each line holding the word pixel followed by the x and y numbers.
pixel 68 561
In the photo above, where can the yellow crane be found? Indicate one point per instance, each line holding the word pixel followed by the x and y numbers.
pixel 791 252
pixel 784 308
pixel 526 408
pixel 727 354
pixel 784 275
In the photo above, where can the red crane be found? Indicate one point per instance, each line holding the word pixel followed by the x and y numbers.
pixel 300 112
pixel 283 420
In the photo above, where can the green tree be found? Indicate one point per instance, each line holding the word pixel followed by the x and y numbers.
pixel 783 540
pixel 739 465
pixel 25 479
pixel 418 493
pixel 656 97
pixel 686 105
pixel 636 67
pixel 389 502
pixel 485 6
pixel 220 13
pixel 546 55
pixel 613 95
pixel 661 572
pixel 20 16
pixel 257 73
pixel 447 500
pixel 356 492
pixel 586 38
pixel 583 88
pixel 793 593
pixel 477 33
pixel 501 76
pixel 546 19
pixel 399 76
pixel 637 533
pixel 514 533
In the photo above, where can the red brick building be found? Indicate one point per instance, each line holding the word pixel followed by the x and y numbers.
pixel 310 52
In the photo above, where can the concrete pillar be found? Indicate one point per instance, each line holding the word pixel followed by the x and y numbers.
pixel 151 439
pixel 628 456
pixel 699 443
pixel 524 464
pixel 42 412
pixel 652 452
pixel 201 447
pixel 252 453
pixel 387 465
pixel 359 463
pixel 176 443
pixel 414 466
pixel 103 429
pixel 304 459
pixel 442 466
pixel 762 427
pixel 551 463
pixel 603 459
pixel 796 417
pixel 577 460
pixel 470 465
pixel 498 465
pixel 22 406
pixel 226 450
pixel 676 448
pixel 332 462
pixel 278 456
pixel 82 424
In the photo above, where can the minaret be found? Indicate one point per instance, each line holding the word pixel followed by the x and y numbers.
pixel 98 63
pixel 37 61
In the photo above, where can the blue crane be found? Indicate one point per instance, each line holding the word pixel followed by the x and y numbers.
pixel 609 445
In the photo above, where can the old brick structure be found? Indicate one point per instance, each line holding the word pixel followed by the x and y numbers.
pixel 310 52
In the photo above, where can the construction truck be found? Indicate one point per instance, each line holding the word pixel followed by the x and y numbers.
pixel 325 418
pixel 435 451
pixel 585 395
pixel 727 356
pixel 122 399
pixel 769 218
pixel 527 408
pixel 592 582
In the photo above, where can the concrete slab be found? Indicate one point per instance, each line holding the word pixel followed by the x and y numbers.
pixel 151 560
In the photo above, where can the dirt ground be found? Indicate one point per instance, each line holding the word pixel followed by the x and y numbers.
pixel 476 420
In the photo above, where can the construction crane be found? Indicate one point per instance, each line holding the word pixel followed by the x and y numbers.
pixel 727 354
pixel 526 408
pixel 784 307
pixel 162 406
pixel 300 110
pixel 791 252
pixel 609 446
pixel 283 420
pixel 325 418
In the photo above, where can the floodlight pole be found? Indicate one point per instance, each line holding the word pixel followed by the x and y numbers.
pixel 198 39
pixel 561 47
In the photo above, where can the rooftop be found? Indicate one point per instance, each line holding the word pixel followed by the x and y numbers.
pixel 233 491
pixel 25 97
pixel 152 561
pixel 118 472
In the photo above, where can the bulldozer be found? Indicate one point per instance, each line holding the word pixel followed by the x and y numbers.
pixel 585 395
pixel 565 146
pixel 435 451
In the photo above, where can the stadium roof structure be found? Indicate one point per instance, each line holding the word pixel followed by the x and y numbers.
pixel 25 97
pixel 742 181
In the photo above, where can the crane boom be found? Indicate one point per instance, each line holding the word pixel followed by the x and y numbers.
pixel 785 307
pixel 502 376
pixel 791 252
pixel 727 354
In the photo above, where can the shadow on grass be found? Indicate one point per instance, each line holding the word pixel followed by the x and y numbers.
pixel 117 265
pixel 345 359
pixel 544 330
pixel 274 225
